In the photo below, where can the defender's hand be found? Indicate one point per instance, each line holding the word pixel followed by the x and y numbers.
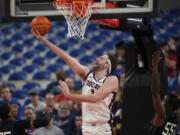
pixel 63 86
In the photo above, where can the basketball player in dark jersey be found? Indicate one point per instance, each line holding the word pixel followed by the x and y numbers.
pixel 8 126
pixel 165 120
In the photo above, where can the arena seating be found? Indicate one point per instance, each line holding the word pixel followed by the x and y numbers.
pixel 23 55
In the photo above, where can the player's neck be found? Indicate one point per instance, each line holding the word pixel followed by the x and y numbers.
pixel 98 74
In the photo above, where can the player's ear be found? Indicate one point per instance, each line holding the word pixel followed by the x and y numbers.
pixel 107 66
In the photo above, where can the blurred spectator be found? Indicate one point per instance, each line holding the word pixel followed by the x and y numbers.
pixel 176 41
pixel 53 87
pixel 117 106
pixel 70 82
pixel 36 104
pixel 171 58
pixel 117 112
pixel 50 102
pixel 77 106
pixel 65 118
pixel 78 124
pixel 49 130
pixel 6 96
pixel 120 53
pixel 122 80
pixel 29 114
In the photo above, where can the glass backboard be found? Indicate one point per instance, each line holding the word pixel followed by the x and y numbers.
pixel 24 10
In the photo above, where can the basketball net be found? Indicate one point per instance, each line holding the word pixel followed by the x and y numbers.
pixel 76 13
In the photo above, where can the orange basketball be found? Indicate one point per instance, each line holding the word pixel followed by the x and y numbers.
pixel 41 23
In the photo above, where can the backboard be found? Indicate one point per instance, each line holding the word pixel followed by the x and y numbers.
pixel 24 10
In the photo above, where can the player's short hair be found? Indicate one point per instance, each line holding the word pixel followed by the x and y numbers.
pixel 113 61
pixel 120 45
pixel 174 101
pixel 5 109
pixel 6 86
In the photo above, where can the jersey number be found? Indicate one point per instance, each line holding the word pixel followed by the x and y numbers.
pixel 5 133
pixel 92 91
pixel 169 129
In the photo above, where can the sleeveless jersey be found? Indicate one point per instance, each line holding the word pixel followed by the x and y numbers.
pixel 99 112
pixel 168 128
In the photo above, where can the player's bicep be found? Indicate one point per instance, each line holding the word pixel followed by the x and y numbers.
pixel 110 85
pixel 78 69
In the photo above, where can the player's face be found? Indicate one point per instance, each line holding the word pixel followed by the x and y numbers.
pixel 100 62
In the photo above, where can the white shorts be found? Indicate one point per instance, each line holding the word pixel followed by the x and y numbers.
pixel 96 129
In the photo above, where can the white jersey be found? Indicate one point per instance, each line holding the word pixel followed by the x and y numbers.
pixel 99 112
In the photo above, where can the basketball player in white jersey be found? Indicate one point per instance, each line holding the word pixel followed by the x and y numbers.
pixel 98 90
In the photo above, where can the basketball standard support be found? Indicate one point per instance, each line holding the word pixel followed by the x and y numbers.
pixel 113 23
pixel 138 108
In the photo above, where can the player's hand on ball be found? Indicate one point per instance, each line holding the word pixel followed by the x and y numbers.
pixel 156 58
pixel 64 88
pixel 36 33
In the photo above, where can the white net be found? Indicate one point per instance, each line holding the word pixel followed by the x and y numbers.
pixel 77 15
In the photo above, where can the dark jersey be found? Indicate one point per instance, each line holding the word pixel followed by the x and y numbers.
pixel 14 127
pixel 168 128
pixel 18 127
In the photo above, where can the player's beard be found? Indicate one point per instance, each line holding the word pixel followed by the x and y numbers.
pixel 98 67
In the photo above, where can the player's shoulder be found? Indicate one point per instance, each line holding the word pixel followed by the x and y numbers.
pixel 112 78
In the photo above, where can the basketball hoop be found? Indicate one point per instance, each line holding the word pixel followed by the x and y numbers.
pixel 76 13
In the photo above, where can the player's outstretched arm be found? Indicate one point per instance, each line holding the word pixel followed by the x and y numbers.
pixel 27 124
pixel 159 117
pixel 79 69
pixel 109 86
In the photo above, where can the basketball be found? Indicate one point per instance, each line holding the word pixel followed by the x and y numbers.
pixel 41 23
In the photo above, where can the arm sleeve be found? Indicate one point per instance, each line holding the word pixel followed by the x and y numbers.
pixel 23 124
pixel 44 121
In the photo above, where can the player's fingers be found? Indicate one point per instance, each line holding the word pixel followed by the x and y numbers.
pixel 62 84
pixel 33 32
pixel 59 86
pixel 37 32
